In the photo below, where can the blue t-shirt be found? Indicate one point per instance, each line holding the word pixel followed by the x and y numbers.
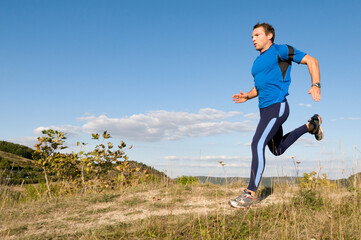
pixel 272 73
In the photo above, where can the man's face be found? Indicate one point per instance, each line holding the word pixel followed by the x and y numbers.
pixel 260 40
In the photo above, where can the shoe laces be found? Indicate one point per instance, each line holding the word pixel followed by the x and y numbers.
pixel 245 194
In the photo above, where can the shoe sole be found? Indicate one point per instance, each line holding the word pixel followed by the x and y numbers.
pixel 320 128
pixel 319 139
pixel 252 205
pixel 236 206
pixel 255 205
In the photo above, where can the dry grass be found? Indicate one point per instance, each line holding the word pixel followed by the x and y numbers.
pixel 197 211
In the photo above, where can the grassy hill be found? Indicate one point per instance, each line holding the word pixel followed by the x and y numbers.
pixel 354 181
pixel 17 166
pixel 16 149
pixel 150 170
pixel 15 169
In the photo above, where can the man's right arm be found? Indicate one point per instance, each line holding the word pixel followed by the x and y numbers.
pixel 314 69
pixel 243 97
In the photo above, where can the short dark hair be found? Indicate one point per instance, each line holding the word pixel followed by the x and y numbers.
pixel 267 29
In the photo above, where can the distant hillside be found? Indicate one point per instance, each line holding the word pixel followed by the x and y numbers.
pixel 15 169
pixel 16 149
pixel 150 170
pixel 18 160
pixel 352 181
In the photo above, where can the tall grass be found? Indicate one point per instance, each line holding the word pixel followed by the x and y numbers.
pixel 182 211
pixel 321 214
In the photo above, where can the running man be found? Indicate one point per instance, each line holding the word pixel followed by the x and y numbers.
pixel 271 71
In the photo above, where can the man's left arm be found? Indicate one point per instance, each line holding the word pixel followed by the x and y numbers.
pixel 314 69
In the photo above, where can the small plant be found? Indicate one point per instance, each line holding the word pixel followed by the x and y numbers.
pixel 309 190
pixel 47 155
pixel 185 180
pixel 312 180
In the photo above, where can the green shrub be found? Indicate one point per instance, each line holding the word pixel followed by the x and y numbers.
pixel 184 180
pixel 38 191
pixel 4 163
pixel 312 180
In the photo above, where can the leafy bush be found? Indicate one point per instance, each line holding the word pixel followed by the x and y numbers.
pixel 106 166
pixel 312 180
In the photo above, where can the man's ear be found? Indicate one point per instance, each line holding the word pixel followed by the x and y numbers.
pixel 270 36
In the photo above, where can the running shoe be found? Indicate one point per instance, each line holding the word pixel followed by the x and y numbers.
pixel 319 135
pixel 244 200
pixel 316 130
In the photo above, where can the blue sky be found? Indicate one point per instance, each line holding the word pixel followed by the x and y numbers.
pixel 160 75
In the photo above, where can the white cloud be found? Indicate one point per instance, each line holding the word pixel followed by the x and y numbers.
pixel 171 158
pixel 160 125
pixel 68 129
pixel 305 105
pixel 307 142
pixel 252 115
pixel 26 141
pixel 247 144
pixel 215 159
pixel 279 159
pixel 205 165
pixel 343 118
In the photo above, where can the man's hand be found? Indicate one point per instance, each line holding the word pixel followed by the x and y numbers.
pixel 240 98
pixel 315 93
